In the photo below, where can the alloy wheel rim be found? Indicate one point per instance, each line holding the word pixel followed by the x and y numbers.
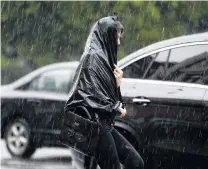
pixel 17 138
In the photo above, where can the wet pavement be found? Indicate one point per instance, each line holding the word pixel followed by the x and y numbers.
pixel 60 158
pixel 43 158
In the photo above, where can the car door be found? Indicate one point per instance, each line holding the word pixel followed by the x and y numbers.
pixel 52 88
pixel 135 85
pixel 187 68
pixel 175 104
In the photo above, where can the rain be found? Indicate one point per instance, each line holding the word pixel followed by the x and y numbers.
pixel 163 57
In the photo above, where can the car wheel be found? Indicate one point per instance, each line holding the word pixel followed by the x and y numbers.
pixel 18 139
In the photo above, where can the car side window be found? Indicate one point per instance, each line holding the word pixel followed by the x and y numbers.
pixel 56 81
pixel 156 70
pixel 149 67
pixel 188 64
pixel 137 69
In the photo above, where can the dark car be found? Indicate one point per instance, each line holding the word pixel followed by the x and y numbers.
pixel 164 86
pixel 31 108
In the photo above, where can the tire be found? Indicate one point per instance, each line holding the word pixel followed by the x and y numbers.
pixel 19 139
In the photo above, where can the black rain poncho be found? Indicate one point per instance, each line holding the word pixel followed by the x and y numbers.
pixel 94 82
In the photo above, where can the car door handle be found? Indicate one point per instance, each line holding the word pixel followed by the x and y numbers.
pixel 141 101
pixel 136 100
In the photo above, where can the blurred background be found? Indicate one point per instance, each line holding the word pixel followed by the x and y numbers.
pixel 37 33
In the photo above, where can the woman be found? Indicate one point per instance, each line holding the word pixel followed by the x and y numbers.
pixel 97 88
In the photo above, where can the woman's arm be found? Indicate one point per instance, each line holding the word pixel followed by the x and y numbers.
pixel 95 95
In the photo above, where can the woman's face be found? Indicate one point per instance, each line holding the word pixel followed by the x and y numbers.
pixel 118 37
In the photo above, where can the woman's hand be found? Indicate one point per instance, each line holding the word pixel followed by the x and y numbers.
pixel 118 75
pixel 123 111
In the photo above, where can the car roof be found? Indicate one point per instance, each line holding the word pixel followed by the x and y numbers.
pixel 54 66
pixel 199 37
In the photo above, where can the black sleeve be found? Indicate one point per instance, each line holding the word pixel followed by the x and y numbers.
pixel 121 99
pixel 96 98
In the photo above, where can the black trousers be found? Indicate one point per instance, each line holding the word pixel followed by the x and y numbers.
pixel 112 150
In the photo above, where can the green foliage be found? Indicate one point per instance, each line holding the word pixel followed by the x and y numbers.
pixel 47 32
pixel 5 62
pixel 32 8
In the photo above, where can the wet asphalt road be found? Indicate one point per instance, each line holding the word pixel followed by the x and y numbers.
pixel 59 158
pixel 43 158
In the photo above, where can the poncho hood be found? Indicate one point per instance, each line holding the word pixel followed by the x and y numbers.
pixel 94 83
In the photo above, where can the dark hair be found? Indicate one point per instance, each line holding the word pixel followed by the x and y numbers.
pixel 118 23
pixel 120 27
